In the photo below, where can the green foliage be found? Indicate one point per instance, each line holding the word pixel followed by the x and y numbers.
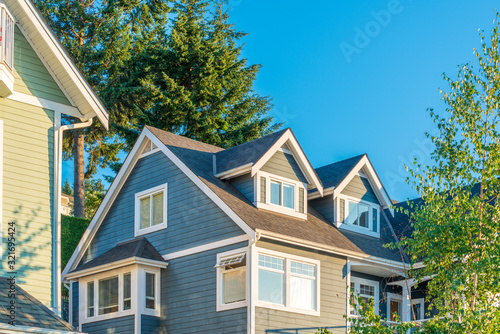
pixel 71 232
pixel 94 194
pixel 67 189
pixel 194 82
pixel 456 226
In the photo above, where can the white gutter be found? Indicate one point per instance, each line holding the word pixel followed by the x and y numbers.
pixel 8 329
pixel 58 134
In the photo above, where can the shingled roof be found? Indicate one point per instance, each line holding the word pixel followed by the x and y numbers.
pixel 136 248
pixel 198 157
pixel 333 174
pixel 246 153
pixel 29 311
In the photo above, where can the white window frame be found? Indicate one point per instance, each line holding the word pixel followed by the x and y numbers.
pixel 83 293
pixel 376 298
pixel 267 205
pixel 356 228
pixel 220 305
pixel 288 258
pixel 399 298
pixel 394 297
pixel 150 192
pixel 421 302
pixel 138 293
pixel 149 148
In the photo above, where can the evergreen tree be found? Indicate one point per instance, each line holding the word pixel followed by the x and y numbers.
pixel 67 189
pixel 100 36
pixel 194 82
pixel 94 194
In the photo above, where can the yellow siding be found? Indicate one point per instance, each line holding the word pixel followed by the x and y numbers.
pixel 31 76
pixel 28 176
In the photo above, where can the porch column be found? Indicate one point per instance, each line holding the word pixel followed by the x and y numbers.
pixel 406 307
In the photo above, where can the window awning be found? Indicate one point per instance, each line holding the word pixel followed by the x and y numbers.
pixel 230 260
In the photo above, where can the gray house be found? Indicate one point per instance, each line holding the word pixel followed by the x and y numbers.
pixel 192 238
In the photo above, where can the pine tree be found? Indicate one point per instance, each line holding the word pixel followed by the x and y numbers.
pixel 66 189
pixel 195 83
pixel 100 36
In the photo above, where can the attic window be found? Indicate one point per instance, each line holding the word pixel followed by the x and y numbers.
pixel 149 148
pixel 6 38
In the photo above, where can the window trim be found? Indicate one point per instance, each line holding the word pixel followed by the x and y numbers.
pixel 288 258
pixel 142 291
pixel 356 228
pixel 149 192
pixel 399 298
pixel 376 298
pixel 220 305
pixel 267 205
pixel 152 148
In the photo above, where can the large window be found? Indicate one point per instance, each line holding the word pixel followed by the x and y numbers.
pixel 232 278
pixel 104 293
pixel 288 282
pixel 150 291
pixel 367 290
pixel 151 210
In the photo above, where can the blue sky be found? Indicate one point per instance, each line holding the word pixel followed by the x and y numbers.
pixel 352 77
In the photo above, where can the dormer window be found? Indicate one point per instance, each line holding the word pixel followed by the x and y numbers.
pixel 283 194
pixel 6 38
pixel 359 215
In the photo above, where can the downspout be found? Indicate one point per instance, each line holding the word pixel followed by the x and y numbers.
pixel 252 292
pixel 57 294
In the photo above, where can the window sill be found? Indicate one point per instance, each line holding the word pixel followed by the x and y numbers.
pixel 108 316
pixel 232 306
pixel 278 307
pixel 281 209
pixel 358 229
pixel 150 229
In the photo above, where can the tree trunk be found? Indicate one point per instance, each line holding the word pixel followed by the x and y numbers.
pixel 79 173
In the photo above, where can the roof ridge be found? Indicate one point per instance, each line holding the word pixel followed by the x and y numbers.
pixel 343 160
pixel 253 141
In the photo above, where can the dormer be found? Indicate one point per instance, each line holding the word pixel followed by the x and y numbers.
pixel 6 52
pixel 353 197
pixel 271 172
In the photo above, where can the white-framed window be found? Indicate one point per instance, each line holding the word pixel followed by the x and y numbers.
pixel 359 215
pixel 134 289
pixel 395 305
pixel 151 210
pixel 367 290
pixel 6 37
pixel 149 148
pixel 281 194
pixel 288 282
pixel 231 279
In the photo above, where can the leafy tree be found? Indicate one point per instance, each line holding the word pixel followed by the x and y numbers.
pixel 194 82
pixel 67 189
pixel 100 36
pixel 94 194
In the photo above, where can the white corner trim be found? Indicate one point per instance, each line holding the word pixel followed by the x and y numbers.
pixel 302 160
pixel 206 247
pixel 203 187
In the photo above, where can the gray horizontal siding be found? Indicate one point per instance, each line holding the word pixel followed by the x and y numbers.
pixel 324 205
pixel 193 218
pixel 283 164
pixel 150 325
pixel 244 184
pixel 74 304
pixel 122 325
pixel 359 187
pixel 189 297
pixel 332 296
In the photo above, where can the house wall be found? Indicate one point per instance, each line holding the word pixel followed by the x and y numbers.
pixel 122 325
pixel 359 187
pixel 150 325
pixel 189 294
pixel 245 185
pixel 28 178
pixel 193 218
pixel 74 305
pixel 324 205
pixel 332 295
pixel 284 165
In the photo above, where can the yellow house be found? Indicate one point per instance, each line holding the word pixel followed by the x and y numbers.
pixel 38 84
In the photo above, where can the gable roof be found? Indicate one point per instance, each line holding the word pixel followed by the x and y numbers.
pixel 58 62
pixel 244 154
pixel 29 311
pixel 333 174
pixel 137 248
